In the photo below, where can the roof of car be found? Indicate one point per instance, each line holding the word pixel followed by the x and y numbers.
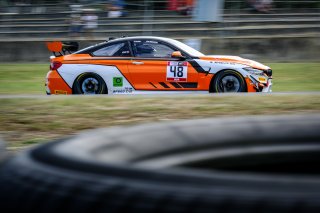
pixel 140 37
pixel 122 39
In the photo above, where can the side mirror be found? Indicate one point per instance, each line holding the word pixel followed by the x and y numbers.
pixel 177 54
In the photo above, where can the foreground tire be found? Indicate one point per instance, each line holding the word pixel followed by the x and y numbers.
pixel 3 152
pixel 89 84
pixel 228 81
pixel 247 164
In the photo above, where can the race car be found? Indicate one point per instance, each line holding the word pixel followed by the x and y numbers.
pixel 148 64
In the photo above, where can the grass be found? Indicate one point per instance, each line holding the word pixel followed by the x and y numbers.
pixel 29 121
pixel 296 76
pixel 23 78
pixel 30 78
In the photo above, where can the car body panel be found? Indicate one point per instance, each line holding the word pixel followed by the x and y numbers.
pixel 56 85
pixel 153 75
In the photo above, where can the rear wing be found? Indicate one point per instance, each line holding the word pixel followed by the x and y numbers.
pixel 59 48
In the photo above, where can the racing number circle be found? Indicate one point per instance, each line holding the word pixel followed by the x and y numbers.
pixel 229 81
pixel 89 83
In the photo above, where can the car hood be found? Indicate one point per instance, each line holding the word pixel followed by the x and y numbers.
pixel 235 59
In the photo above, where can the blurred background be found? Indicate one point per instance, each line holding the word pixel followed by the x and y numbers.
pixel 274 30
pixel 283 34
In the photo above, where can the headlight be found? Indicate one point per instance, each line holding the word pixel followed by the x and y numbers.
pixel 268 72
pixel 253 71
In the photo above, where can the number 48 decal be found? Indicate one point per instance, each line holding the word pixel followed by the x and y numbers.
pixel 177 71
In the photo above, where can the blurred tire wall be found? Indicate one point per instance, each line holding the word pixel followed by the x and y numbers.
pixel 141 169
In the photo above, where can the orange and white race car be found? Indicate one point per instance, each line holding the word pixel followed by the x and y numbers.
pixel 147 64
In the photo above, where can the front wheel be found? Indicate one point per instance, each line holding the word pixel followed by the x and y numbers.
pixel 89 84
pixel 229 81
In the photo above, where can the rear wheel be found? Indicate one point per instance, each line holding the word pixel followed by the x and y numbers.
pixel 88 84
pixel 229 81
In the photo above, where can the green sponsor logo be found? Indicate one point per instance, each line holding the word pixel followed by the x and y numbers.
pixel 117 81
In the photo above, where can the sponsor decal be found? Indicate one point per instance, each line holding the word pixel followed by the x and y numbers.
pixel 153 42
pixel 220 62
pixel 177 71
pixel 60 92
pixel 123 91
pixel 117 81
pixel 262 79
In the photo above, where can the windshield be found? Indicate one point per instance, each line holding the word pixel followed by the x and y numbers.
pixel 186 48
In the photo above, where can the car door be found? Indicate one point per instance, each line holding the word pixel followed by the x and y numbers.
pixel 153 68
pixel 117 55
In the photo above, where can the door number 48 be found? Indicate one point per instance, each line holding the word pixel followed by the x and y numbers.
pixel 177 71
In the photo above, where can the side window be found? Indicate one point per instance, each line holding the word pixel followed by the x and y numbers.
pixel 115 50
pixel 151 49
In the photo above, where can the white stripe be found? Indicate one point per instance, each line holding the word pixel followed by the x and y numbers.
pixel 69 72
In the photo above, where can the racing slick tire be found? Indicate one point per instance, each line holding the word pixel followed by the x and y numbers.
pixel 89 83
pixel 228 81
pixel 247 164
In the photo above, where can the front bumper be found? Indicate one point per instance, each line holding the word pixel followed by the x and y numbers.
pixel 268 86
pixel 260 83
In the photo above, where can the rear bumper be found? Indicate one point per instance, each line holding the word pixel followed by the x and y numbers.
pixel 55 84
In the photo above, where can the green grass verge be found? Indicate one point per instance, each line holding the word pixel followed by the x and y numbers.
pixel 30 78
pixel 29 121
pixel 23 78
pixel 296 76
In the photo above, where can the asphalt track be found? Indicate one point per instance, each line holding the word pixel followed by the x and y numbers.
pixel 40 96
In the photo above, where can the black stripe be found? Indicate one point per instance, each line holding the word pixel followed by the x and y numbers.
pixel 189 84
pixel 164 85
pixel 196 66
pixel 152 85
pixel 176 85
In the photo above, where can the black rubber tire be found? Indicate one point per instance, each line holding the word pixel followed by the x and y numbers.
pixel 3 152
pixel 132 169
pixel 216 82
pixel 102 88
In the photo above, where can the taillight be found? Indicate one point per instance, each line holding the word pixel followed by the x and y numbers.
pixel 55 65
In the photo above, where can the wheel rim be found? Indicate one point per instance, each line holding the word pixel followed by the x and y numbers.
pixel 90 86
pixel 229 83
